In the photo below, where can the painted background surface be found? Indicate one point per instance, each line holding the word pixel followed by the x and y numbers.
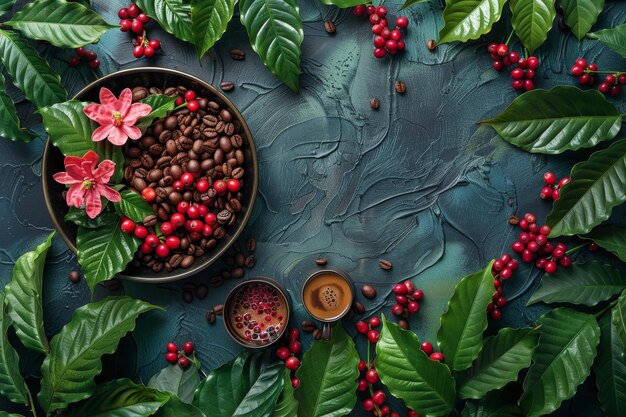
pixel 416 182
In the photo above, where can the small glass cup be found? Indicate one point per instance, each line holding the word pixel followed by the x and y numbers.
pixel 328 321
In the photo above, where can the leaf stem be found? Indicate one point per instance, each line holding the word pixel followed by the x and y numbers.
pixel 509 38
pixel 31 403
pixel 576 248
pixel 371 387
pixel 601 312
pixel 587 71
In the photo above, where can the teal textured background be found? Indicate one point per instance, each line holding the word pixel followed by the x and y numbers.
pixel 416 182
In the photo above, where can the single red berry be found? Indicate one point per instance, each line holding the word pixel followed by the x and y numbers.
pixel 136 26
pixel 177 220
pixel 545 193
pixel 379 397
pixel 190 95
pixel 155 44
pixel 584 79
pixel 74 61
pixel 187 179
pixel 371 376
pixel 409 285
pixel 207 230
pixel 295 382
pixel 533 228
pixel 295 346
pixel 565 261
pixel 550 267
pixel 564 181
pixel 167 228
pixel 148 194
pixel 518 247
pixel 396 35
pixel 220 187
pixel 172 242
pixel 374 19
pixel 436 356
pixel 148 51
pixel 517 84
pixel 210 219
pixel 592 67
pixel 517 73
pixel 532 246
pixel 292 363
pixel 528 85
pixel 122 13
pixel 374 322
pixel 541 263
pixel 495 314
pixel 506 273
pixel 183 362
pixel 530 218
pixel 402 300
pixel 162 250
pixel 362 366
pixel 513 57
pixel 233 185
pixel 604 88
pixel 498 65
pixel 171 347
pixel 178 185
pixel 125 25
pixel 179 101
pixel 370 9
pixel 377 30
pixel 391 45
pixel 373 335
pixel 592 247
pixel 368 404
pixel 545 230
pixel 397 310
pixel 145 248
pixel 615 90
pixel 541 240
pixel 505 258
pixel 361 327
pixel 193 106
pixel 418 295
pixel 400 289
pixel 502 49
pixel 558 253
pixel 621 78
pixel 413 307
pixel 581 62
pixel 133 10
pixel 141 232
pixel 549 178
pixel 127 225
pixel 501 302
pixel 413 414
pixel 143 18
pixel 202 186
pixel 203 210
pixel 385 33
pixel 182 207
pixel 359 10
pixel 513 264
pixel 577 70
pixel 533 63
pixel 427 347
pixel 363 385
pixel 171 357
pixel 380 53
pixel 492 48
pixel 188 348
pixel 381 11
pixel 402 22
pixel 379 41
pixel 527 256
pixel 283 353
pixel 152 240
pixel 610 79
pixel 138 51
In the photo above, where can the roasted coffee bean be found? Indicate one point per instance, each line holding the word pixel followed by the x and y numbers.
pixel 147 161
pixel 431 44
pixel 513 220
pixel 251 244
pixel 187 296
pixel 176 172
pixel 385 264
pixel 155 90
pixel 216 281
pixel 193 166
pixel 403 324
pixel 154 175
pixel 232 220
pixel 74 276
pixel 170 147
pixel 198 252
pixel 227 170
pixel 237 273
pixel 170 91
pixel 237 173
pixel 239 259
pixel 184 244
pixel 358 307
pixel 235 204
pixel 237 54
pixel 202 291
pixel 218 156
pixel 135 163
pixel 191 249
pixel 187 261
pixel 197 146
pixel 250 261
pixel 225 144
pixel 308 326
pixel 156 149
pixel 138 184
pixel 133 152
pixel 210 317
pixel 226 115
pixel 368 291
pixel 229 129
pixel 219 233
pixel 227 85
pixel 163 161
pixel 170 123
pixel 158 266
pixel 165 135
pixel 128 174
pixel 175 197
pixel 141 173
pixel 146 142
pixel 183 143
pixel 162 214
pixel 218 309
pixel 149 220
pixel 175 260
pixel 317 334
pixel 329 26
pixel 225 273
pixel 161 194
pixel 210 133
pixel 139 93
pixel 239 157
pixel 321 261
pixel 374 103
pixel 166 181
pixel 400 87
pixel 236 141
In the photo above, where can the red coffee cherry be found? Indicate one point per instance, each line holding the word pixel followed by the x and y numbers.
pixel 427 347
pixel 371 376
pixel 183 362
pixel 141 232
pixel 283 353
pixel 188 348
pixel 362 366
pixel 361 327
pixel 292 363
pixel 437 356
pixel 171 357
pixel 172 242
pixel 379 397
pixel 373 335
pixel 233 185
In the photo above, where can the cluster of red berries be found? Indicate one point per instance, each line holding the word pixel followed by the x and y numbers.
pixel 133 20
pixel 526 68
pixel 534 243
pixel 288 354
pixel 407 299
pixel 188 215
pixel 611 84
pixel 428 349
pixel 502 269
pixel 190 99
pixel 386 41
pixel 552 188
pixel 84 55
pixel 181 357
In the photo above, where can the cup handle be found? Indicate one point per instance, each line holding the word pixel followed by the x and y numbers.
pixel 327 331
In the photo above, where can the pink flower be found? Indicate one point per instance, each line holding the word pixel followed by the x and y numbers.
pixel 87 184
pixel 116 117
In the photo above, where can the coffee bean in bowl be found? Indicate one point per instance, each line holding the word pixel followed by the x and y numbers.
pixel 197 167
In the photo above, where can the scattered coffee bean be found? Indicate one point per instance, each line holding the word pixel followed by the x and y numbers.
pixel 202 291
pixel 216 281
pixel 210 317
pixel 237 54
pixel 74 276
pixel 513 220
pixel 308 326
pixel 358 307
pixel 400 87
pixel 150 220
pixel 218 309
pixel 227 85
pixel 321 261
pixel 385 264
pixel 368 291
pixel 403 324
pixel 187 296
pixel 329 26
pixel 250 261
pixel 374 103
pixel 237 273
pixel 251 244
pixel 317 334
pixel 431 45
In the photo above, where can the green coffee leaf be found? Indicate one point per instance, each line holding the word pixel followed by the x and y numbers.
pixel 174 16
pixel 275 31
pixel 343 4
pixel 328 377
pixel 469 19
pixel 596 187
pixel 614 38
pixel 79 217
pixel 63 24
pixel 408 373
pixel 176 408
pixel 581 15
pixel 133 206
pixel 12 385
pixel 6 6
pixel 610 368
pixel 287 405
pixel 23 297
pixel 95 329
pixel 462 325
pixel 532 20
pixel 557 120
pixel 161 106
pixel 562 360
pixel 178 381
pixel 9 121
pixel 611 238
pixel 209 20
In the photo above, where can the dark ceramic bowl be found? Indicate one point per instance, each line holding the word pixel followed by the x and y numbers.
pixel 161 78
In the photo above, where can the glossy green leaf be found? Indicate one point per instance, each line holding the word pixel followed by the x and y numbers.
pixel 133 206
pixel 63 24
pixel 79 218
pixel 95 329
pixel 9 121
pixel 583 284
pixel 532 20
pixel 619 318
pixel 611 238
pixel 249 386
pixel 12 384
pixel 485 409
pixel 120 398
pixel 275 31
pixel 23 297
pixel 557 120
pixel 174 16
pixel 328 377
pixel 462 325
pixel 562 360
pixel 6 6
pixel 596 187
pixel 178 381
pixel 69 128
pixel 501 359
pixel 614 38
pixel 469 19
pixel 29 72
pixel 610 369
pixel 409 3
pixel 408 373
pixel 105 251
pixel 581 15
pixel 343 4
pixel 176 408
pixel 161 105
pixel 209 20
pixel 5 414
pixel 287 405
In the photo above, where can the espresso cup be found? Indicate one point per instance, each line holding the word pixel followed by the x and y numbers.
pixel 327 295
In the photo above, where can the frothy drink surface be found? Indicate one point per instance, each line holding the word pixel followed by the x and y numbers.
pixel 327 296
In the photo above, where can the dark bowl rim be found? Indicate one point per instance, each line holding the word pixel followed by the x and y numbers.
pixel 255 177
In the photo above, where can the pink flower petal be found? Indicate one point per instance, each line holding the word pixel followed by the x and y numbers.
pixel 65 178
pixel 108 99
pixel 132 132
pixel 118 136
pixel 75 172
pixel 76 160
pixel 100 114
pixel 126 99
pixel 104 172
pixel 75 196
pixel 93 205
pixel 109 193
pixel 136 112
pixel 101 133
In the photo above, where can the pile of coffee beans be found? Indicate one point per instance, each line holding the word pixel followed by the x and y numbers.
pixel 190 167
